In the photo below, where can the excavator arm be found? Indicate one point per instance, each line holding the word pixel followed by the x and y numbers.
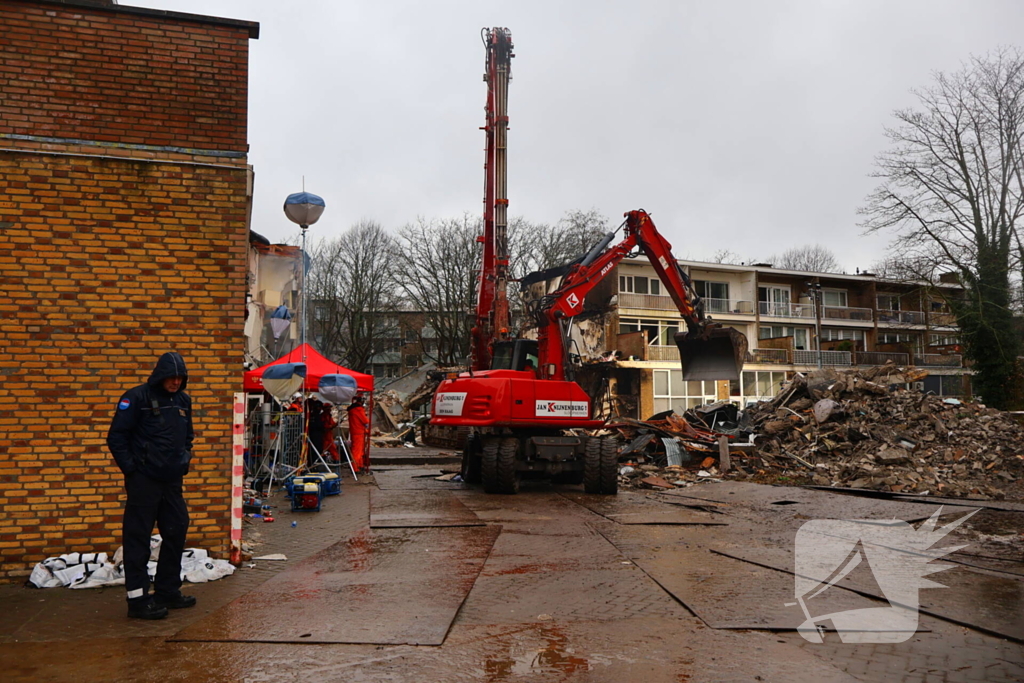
pixel 707 350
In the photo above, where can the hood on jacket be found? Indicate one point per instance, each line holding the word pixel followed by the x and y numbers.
pixel 171 364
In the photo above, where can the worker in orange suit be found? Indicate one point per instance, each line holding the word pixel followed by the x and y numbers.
pixel 329 421
pixel 358 425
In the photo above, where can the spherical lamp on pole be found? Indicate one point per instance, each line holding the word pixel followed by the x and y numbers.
pixel 304 209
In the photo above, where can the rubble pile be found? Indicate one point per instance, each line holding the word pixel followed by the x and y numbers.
pixel 852 428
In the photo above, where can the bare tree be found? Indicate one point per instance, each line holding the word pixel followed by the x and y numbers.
pixel 952 189
pixel 352 294
pixel 725 256
pixel 440 264
pixel 539 246
pixel 812 258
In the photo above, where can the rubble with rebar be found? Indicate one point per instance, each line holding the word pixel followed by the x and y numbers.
pixel 847 428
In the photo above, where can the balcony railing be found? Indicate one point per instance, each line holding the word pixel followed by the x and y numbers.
pixel 663 353
pixel 901 317
pixel 726 306
pixel 942 319
pixel 845 313
pixel 778 310
pixel 936 360
pixel 831 358
pixel 880 358
pixel 775 356
pixel 654 302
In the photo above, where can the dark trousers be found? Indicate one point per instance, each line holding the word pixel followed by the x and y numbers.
pixel 153 502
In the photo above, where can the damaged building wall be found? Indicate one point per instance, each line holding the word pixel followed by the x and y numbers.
pixel 275 278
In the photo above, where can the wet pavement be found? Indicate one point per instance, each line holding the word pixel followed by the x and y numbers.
pixel 548 585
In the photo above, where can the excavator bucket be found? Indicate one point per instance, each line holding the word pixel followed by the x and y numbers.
pixel 714 353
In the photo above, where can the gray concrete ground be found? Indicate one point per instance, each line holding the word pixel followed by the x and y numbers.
pixel 572 589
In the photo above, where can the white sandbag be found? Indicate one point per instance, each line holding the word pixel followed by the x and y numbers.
pixel 200 571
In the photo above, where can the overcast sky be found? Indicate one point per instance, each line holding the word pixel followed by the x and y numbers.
pixel 743 125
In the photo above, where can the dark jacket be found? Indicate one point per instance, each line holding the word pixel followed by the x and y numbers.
pixel 152 429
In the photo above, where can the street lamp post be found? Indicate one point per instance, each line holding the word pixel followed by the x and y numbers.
pixel 304 209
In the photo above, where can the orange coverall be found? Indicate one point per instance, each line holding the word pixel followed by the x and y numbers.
pixel 358 423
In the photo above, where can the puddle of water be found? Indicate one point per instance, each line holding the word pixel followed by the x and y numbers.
pixel 554 656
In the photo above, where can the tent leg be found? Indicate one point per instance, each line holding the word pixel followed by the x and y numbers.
pixel 348 459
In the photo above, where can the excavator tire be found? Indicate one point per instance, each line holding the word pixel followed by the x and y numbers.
pixel 601 466
pixel 471 459
pixel 498 465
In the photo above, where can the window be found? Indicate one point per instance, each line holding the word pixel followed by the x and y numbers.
pixel 894 338
pixel 711 290
pixel 659 332
pixel 834 297
pixel 638 284
pixel 943 339
pixel 760 385
pixel 672 393
pixel 888 302
pixel 836 334
pixel 774 301
pixel 773 331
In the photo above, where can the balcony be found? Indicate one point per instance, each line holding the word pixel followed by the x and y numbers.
pixel 770 356
pixel 846 313
pixel 653 302
pixel 941 319
pixel 936 360
pixel 900 317
pixel 670 353
pixel 771 309
pixel 880 358
pixel 830 358
pixel 728 306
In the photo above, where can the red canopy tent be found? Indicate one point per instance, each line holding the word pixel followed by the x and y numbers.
pixel 316 367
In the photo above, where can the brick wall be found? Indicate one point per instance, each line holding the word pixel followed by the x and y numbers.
pixel 69 70
pixel 90 295
pixel 114 248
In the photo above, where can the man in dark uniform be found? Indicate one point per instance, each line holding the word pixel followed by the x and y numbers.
pixel 151 440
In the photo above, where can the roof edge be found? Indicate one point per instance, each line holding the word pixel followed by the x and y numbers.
pixel 253 27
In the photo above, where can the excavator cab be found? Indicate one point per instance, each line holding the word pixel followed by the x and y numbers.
pixel 515 354
pixel 712 353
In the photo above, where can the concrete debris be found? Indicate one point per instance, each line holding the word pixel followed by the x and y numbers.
pixel 857 428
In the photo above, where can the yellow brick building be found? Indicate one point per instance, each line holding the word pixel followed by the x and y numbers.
pixel 122 236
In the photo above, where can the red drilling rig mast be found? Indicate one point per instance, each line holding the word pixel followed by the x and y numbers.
pixel 492 309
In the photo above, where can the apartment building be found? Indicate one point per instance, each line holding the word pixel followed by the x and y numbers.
pixel 794 321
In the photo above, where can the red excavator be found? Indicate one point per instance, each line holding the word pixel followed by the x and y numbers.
pixel 520 398
pixel 520 408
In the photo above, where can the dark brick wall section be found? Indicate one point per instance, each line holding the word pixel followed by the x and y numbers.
pixel 81 72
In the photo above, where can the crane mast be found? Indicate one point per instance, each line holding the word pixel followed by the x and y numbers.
pixel 492 311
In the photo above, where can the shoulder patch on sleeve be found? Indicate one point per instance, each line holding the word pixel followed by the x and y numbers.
pixel 124 404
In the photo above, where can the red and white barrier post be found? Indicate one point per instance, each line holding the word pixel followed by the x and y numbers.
pixel 237 474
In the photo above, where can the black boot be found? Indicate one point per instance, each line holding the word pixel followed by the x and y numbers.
pixel 178 602
pixel 146 610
